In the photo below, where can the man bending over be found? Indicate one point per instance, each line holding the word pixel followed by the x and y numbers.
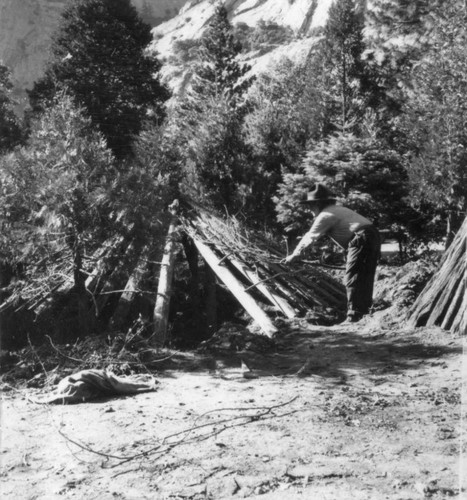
pixel 355 234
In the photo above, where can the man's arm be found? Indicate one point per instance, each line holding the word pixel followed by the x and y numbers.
pixel 320 227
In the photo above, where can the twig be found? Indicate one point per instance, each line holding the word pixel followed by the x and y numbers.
pixel 38 357
pixel 61 353
pixel 164 446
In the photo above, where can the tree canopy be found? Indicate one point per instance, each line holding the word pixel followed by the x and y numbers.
pixel 98 56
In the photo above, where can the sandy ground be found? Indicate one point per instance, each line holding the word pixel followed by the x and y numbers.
pixel 347 412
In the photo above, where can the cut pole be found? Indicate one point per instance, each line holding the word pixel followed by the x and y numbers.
pixel 237 289
pixel 277 301
pixel 164 287
pixel 443 300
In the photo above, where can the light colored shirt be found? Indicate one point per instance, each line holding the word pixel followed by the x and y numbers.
pixel 339 223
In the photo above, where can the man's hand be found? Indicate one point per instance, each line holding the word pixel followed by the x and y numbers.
pixel 289 259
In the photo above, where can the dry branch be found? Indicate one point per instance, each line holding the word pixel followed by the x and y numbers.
pixel 195 433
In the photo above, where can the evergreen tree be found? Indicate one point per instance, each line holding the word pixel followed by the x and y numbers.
pixel 286 114
pixel 436 114
pixel 219 72
pixel 206 124
pixel 99 57
pixel 368 176
pixel 10 131
pixel 55 189
pixel 345 82
pixel 395 42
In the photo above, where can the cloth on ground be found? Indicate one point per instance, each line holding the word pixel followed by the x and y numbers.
pixel 91 384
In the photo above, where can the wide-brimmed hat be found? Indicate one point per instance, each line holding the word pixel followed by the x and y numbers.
pixel 319 193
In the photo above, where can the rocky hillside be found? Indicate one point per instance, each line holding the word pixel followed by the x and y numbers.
pixel 26 27
pixel 297 19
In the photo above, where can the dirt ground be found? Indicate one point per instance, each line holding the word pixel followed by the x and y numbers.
pixel 343 412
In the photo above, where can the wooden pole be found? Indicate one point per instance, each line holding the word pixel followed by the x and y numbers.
pixel 237 289
pixel 277 301
pixel 443 300
pixel 164 288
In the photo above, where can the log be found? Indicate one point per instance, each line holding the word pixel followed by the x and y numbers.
pixel 164 287
pixel 237 289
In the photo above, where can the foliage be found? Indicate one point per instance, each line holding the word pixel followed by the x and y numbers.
pixel 286 113
pixel 395 41
pixel 436 114
pixel 344 79
pixel 186 51
pixel 219 72
pixel 205 125
pixel 10 131
pixel 54 189
pixel 369 178
pixel 99 57
pixel 262 38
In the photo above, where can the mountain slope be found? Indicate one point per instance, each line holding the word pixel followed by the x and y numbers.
pixel 298 17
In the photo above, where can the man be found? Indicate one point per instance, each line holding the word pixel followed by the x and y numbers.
pixel 352 232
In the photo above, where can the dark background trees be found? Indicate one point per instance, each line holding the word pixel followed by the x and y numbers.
pixel 99 57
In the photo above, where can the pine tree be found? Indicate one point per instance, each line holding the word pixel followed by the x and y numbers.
pixel 207 123
pixel 345 81
pixel 99 57
pixel 219 72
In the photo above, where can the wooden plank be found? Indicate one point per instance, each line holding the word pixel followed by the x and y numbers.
pixel 237 289
pixel 277 301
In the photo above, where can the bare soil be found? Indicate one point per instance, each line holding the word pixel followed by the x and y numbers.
pixel 343 412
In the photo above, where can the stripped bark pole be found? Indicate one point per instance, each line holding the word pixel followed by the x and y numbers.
pixel 443 301
pixel 237 289
pixel 164 288
pixel 277 301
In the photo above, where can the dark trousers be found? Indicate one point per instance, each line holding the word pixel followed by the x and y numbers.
pixel 363 253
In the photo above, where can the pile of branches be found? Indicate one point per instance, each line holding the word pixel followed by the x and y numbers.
pixel 302 286
pixel 127 353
